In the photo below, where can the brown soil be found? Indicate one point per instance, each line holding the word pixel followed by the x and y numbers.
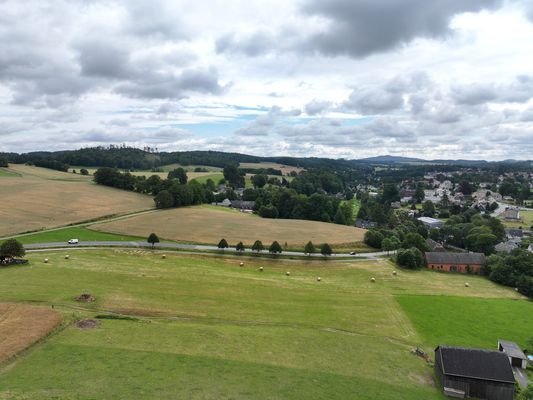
pixel 22 325
pixel 86 298
pixel 88 324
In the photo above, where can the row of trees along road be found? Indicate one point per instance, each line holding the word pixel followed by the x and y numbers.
pixel 275 247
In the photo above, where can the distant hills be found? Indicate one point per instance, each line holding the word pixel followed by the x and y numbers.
pixel 129 158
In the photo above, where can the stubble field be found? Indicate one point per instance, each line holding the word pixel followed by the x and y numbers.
pixel 209 224
pixel 36 198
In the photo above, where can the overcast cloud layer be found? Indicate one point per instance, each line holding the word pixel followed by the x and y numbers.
pixel 336 78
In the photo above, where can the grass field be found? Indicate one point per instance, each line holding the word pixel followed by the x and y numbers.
pixel 215 177
pixel 208 224
pixel 81 233
pixel 22 325
pixel 285 169
pixel 479 314
pixel 526 221
pixel 209 329
pixel 43 198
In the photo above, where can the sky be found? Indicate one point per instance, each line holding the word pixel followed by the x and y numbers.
pixel 322 78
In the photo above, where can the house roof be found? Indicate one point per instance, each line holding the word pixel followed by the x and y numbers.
pixel 512 349
pixel 475 363
pixel 244 205
pixel 429 220
pixel 506 246
pixel 433 244
pixel 455 258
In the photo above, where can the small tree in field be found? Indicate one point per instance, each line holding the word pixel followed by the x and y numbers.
pixel 153 239
pixel 275 248
pixel 240 246
pixel 223 244
pixel 309 248
pixel 12 248
pixel 325 249
pixel 84 171
pixel 258 246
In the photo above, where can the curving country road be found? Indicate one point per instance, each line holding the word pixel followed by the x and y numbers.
pixel 189 247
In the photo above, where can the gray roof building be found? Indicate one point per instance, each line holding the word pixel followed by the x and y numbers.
pixel 455 258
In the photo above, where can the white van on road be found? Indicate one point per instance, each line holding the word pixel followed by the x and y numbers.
pixel 73 241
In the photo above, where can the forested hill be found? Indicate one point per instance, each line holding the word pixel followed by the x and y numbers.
pixel 132 158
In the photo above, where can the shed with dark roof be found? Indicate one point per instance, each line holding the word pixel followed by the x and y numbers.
pixel 455 262
pixel 476 373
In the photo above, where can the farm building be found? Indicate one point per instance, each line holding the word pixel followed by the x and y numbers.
pixel 511 214
pixel 476 373
pixel 431 223
pixel 455 262
pixel 516 356
pixel 434 246
pixel 242 205
pixel 506 247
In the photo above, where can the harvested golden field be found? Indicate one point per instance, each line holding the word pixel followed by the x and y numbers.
pixel 208 224
pixel 163 175
pixel 22 325
pixel 40 198
pixel 285 169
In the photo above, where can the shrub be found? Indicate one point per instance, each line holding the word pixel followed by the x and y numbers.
pixel 410 258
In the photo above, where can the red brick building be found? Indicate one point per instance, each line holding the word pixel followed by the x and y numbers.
pixel 455 262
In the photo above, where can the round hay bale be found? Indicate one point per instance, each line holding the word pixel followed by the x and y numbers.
pixel 394 273
pixel 241 264
pixel 287 273
pixel 46 260
pixel 319 279
pixel 261 269
pixel 467 284
pixel 67 256
pixel 86 298
pixel 163 256
pixel 516 289
pixel 372 279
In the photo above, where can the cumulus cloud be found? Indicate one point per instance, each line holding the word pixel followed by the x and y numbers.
pixel 359 28
pixel 315 106
pixel 518 91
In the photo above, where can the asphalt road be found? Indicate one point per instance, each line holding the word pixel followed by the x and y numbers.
pixel 180 246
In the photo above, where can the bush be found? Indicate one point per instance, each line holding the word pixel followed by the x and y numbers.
pixel 373 238
pixel 83 171
pixel 223 244
pixel 268 212
pixel 411 258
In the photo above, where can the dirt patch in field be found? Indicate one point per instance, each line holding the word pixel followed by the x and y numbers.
pixel 88 324
pixel 22 325
pixel 85 298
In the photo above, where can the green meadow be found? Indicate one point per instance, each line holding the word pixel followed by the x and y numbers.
pixel 81 233
pixel 207 328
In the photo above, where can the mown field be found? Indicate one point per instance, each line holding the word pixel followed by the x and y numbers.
pixel 526 221
pixel 207 328
pixel 42 198
pixel 285 169
pixel 209 224
pixel 22 325
pixel 81 233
